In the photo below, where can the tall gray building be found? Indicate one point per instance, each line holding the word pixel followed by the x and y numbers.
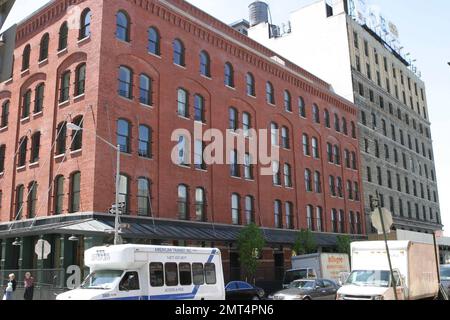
pixel 7 41
pixel 363 61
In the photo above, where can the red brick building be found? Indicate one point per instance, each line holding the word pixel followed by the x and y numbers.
pixel 132 72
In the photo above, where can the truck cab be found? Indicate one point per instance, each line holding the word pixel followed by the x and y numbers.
pixel 376 284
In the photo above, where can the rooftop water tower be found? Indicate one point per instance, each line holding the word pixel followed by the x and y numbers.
pixel 259 13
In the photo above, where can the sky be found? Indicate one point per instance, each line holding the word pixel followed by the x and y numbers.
pixel 424 32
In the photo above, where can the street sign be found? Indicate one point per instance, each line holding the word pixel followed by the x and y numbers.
pixel 387 219
pixel 42 249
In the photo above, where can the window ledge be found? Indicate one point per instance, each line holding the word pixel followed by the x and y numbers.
pixel 43 62
pixel 250 96
pixel 184 118
pixel 64 103
pixel 85 39
pixel 146 158
pixel 33 165
pixel 154 55
pixel 237 178
pixel 184 166
pixel 25 72
pixel 76 152
pixel 231 88
pixel 62 51
pixel 21 168
pixel 149 106
pixel 25 119
pixel 38 114
pixel 126 99
pixel 271 104
pixel 249 180
pixel 201 170
pixel 200 122
pixel 3 129
pixel 206 77
pixel 78 97
pixel 1 174
pixel 126 154
pixel 8 81
pixel 59 156
pixel 179 66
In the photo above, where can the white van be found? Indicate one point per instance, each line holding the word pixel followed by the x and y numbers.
pixel 140 272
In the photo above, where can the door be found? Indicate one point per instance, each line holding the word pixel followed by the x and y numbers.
pixel 399 285
pixel 320 291
pixel 331 290
pixel 130 287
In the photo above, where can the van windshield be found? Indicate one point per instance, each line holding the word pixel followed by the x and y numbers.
pixel 102 279
pixel 445 273
pixel 369 278
pixel 293 275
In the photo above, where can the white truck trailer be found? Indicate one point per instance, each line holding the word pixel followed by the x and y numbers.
pixel 414 266
pixel 317 265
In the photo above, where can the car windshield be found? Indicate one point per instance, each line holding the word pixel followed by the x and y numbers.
pixel 294 275
pixel 369 278
pixel 445 273
pixel 102 279
pixel 302 285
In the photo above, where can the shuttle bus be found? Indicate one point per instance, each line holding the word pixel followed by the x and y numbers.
pixel 143 272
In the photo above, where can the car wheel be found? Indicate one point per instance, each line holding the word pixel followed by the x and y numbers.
pixel 307 298
pixel 256 298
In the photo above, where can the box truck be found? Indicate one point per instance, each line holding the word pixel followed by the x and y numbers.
pixel 414 270
pixel 317 265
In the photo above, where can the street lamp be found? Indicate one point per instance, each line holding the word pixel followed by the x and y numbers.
pixel 73 238
pixel 74 127
pixel 17 243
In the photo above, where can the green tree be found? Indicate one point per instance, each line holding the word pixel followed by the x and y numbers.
pixel 343 244
pixel 305 243
pixel 250 244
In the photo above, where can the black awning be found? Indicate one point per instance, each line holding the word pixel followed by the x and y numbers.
pixel 154 229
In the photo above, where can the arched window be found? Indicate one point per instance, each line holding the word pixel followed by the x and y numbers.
pixel 276 173
pixel 64 89
pixel 183 106
pixel 316 114
pixel 337 125
pixel 229 75
pixel 285 143
pixel 354 164
pixel 123 26
pixel 356 190
pixel 74 195
pixel 85 24
pixel 26 103
pixel 183 206
pixel 306 149
pixel 77 135
pixel 349 190
pixel 26 57
pixel 35 146
pixel 80 79
pixel 200 205
pixel 22 159
pixel 32 199
pixel 249 210
pixel 235 209
pixel 246 123
pixel 234 165
pixel 337 155
pixel 250 84
pixel 178 53
pixel 183 151
pixel 145 90
pixel 354 130
pixel 317 182
pixel 347 158
pixel 144 197
pixel 126 82
pixel 344 126
pixel 145 141
pixel 289 215
pixel 19 202
pixel 154 41
pixel 334 218
pixel 61 133
pixel 270 96
pixel 205 64
pixel 278 214
pixel 274 134
pixel 301 107
pixel 39 98
pixel 308 181
pixel 310 217
pixel 63 35
pixel 315 148
pixel 326 115
pixel 233 118
pixel 43 48
pixel 5 114
pixel 287 101
pixel 59 195
pixel 2 158
pixel 199 108
pixel 340 187
pixel 341 221
pixel 248 167
pixel 332 186
pixel 287 176
pixel 124 193
pixel 123 135
pixel 319 219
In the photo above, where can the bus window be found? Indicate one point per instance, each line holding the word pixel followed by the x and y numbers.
pixel 197 272
pixel 156 274
pixel 185 274
pixel 129 282
pixel 171 274
pixel 210 273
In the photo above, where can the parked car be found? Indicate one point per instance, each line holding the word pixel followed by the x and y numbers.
pixel 445 277
pixel 240 290
pixel 318 289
